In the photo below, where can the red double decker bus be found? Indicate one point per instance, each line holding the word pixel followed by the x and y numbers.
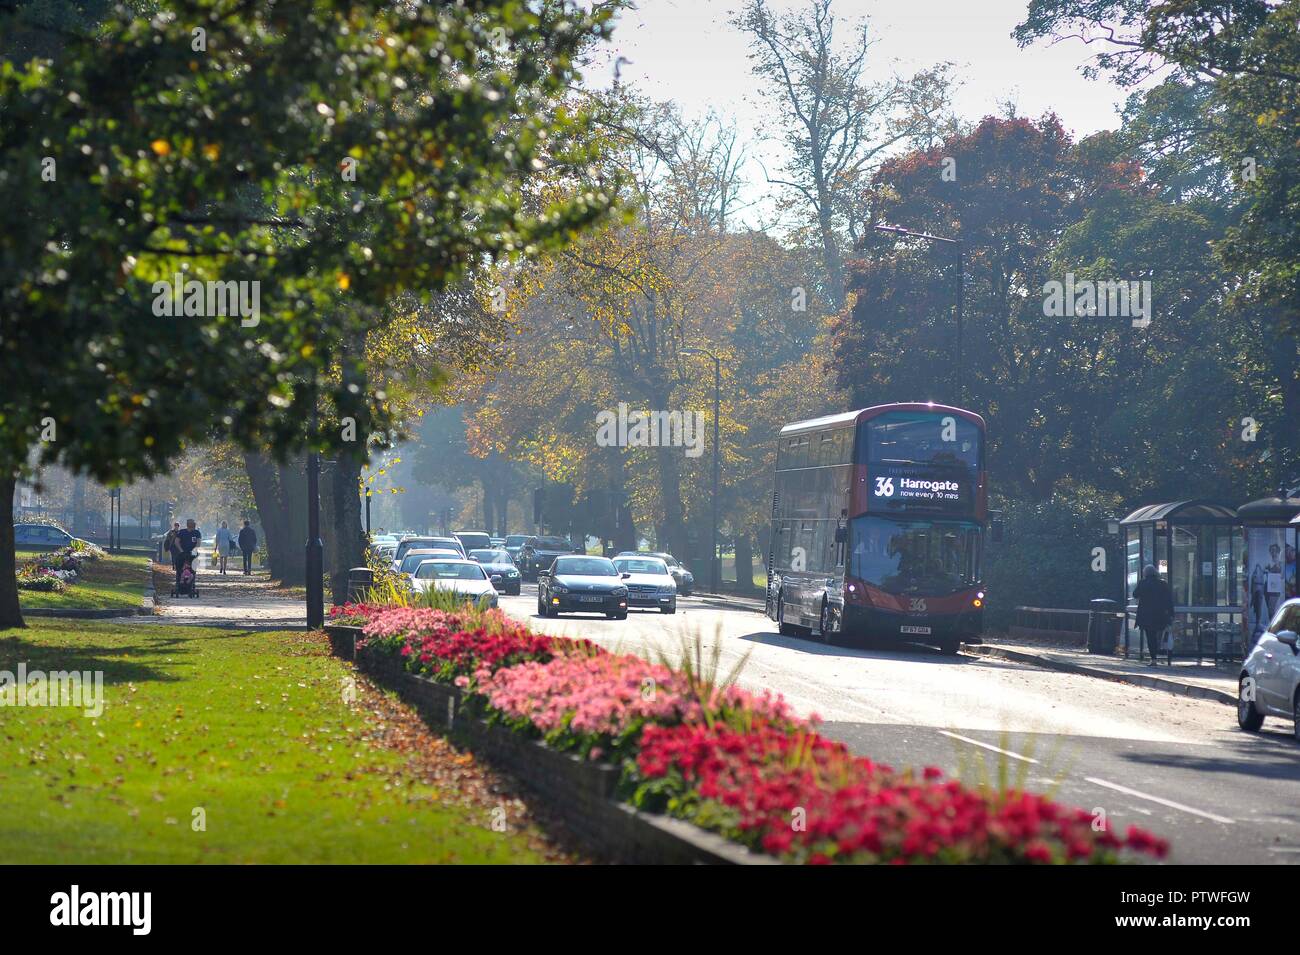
pixel 878 524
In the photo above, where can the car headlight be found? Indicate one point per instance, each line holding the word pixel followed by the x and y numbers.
pixel 559 589
pixel 512 573
pixel 620 591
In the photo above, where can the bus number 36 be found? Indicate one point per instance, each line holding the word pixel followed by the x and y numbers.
pixel 918 605
pixel 884 487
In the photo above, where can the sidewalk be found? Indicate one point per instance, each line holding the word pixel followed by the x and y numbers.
pixel 1184 677
pixel 731 601
pixel 233 602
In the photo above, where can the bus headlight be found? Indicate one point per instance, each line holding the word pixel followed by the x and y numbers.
pixel 977 602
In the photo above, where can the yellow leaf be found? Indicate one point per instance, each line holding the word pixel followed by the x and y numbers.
pixel 344 281
pixel 161 147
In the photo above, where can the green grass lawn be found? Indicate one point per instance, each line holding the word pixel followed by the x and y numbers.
pixel 252 728
pixel 112 582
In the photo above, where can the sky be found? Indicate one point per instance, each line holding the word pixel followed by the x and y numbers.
pixel 686 51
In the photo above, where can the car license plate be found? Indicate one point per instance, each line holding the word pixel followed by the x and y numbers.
pixel 914 629
pixel 592 600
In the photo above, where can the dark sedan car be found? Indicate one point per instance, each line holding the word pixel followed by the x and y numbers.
pixel 515 543
pixel 537 555
pixel 498 564
pixel 576 584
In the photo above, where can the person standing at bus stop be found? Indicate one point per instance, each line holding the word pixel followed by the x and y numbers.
pixel 1155 610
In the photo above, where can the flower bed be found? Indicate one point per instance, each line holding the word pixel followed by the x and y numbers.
pixel 53 572
pixel 729 761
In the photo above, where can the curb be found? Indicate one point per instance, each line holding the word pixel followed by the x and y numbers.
pixel 1138 679
pixel 82 613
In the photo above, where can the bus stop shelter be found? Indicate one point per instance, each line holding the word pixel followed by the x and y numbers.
pixel 1197 547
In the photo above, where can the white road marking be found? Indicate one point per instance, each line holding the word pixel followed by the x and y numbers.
pixel 1158 799
pixel 996 749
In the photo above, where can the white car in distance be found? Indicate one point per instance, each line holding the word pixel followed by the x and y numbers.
pixel 414 558
pixel 464 578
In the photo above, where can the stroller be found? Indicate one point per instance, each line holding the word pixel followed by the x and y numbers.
pixel 187 584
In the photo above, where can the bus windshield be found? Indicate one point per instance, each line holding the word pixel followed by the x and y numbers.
pixel 920 437
pixel 931 558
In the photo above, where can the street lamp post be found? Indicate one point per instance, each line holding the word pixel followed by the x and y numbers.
pixel 715 558
pixel 315 548
pixel 959 248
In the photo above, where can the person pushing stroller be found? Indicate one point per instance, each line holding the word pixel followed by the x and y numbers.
pixel 186 545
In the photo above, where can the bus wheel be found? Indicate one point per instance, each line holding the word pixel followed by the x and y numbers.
pixel 950 646
pixel 783 628
pixel 826 635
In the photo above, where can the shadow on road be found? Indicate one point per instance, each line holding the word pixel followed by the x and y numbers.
pixel 881 650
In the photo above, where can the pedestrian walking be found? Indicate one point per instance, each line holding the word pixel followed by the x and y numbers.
pixel 222 542
pixel 185 545
pixel 168 547
pixel 247 544
pixel 1155 611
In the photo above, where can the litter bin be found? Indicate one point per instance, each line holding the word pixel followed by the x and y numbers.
pixel 1103 625
pixel 360 580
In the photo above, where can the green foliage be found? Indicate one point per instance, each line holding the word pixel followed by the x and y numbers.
pixel 225 162
pixel 1046 556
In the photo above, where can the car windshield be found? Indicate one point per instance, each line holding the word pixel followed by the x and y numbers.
pixel 449 570
pixel 552 543
pixel 490 557
pixel 641 565
pixel 516 540
pixel 668 559
pixel 585 567
pixel 413 559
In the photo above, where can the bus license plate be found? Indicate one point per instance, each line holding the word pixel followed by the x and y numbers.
pixel 591 600
pixel 906 629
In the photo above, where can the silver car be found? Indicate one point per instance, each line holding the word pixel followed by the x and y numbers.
pixel 464 578
pixel 648 583
pixel 1269 684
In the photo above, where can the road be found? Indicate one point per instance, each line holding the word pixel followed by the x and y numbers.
pixel 1174 765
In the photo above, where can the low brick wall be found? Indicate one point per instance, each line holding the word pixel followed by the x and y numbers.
pixel 579 791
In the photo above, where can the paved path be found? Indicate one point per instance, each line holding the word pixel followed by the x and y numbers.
pixel 232 601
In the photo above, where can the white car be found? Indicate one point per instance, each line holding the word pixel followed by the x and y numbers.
pixel 462 577
pixel 1269 684
pixel 408 564
pixel 649 584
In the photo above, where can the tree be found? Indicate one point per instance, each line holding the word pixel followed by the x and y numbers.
pixel 1045 382
pixel 1247 54
pixel 336 168
pixel 836 126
